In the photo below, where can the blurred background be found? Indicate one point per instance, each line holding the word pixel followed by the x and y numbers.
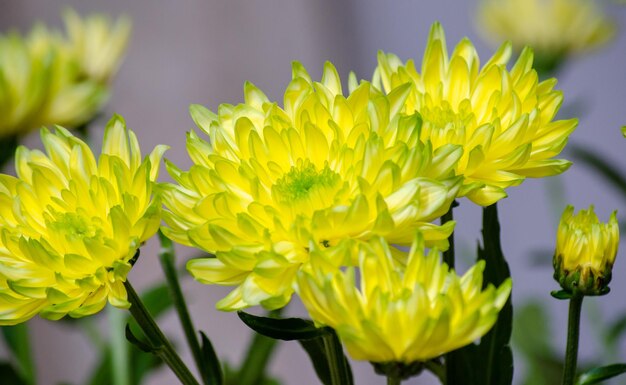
pixel 193 51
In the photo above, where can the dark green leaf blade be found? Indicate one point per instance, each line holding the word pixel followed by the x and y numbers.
pixel 597 375
pixel 497 357
pixel 211 370
pixel 9 375
pixel 18 341
pixel 286 329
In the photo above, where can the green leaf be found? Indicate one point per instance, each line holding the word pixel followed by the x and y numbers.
pixel 597 375
pixel 286 329
pixel 213 371
pixel 18 342
pixel 497 358
pixel 561 294
pixel 322 344
pixel 130 336
pixel 9 375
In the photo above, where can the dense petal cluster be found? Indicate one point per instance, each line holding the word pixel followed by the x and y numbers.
pixel 553 28
pixel 46 78
pixel 585 251
pixel 503 119
pixel 70 225
pixel 406 308
pixel 325 167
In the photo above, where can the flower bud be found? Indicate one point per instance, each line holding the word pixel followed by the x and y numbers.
pixel 585 252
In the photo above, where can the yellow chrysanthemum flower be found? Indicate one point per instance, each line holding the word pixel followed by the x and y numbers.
pixel 400 313
pixel 325 167
pixel 70 226
pixel 503 119
pixel 46 78
pixel 585 251
pixel 553 28
pixel 97 43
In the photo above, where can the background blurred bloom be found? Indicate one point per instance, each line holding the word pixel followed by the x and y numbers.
pixel 70 226
pixel 323 168
pixel 585 251
pixel 554 29
pixel 46 78
pixel 400 313
pixel 503 119
pixel 97 43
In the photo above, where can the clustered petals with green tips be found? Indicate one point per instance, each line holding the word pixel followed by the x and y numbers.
pixel 503 119
pixel 70 225
pixel 585 252
pixel 47 78
pixel 408 307
pixel 323 168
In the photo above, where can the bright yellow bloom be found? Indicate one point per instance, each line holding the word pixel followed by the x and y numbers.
pixel 70 226
pixel 97 43
pixel 46 78
pixel 325 167
pixel 503 119
pixel 399 313
pixel 585 251
pixel 553 28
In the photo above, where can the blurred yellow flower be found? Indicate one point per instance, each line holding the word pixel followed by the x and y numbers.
pixel 46 78
pixel 503 119
pixel 97 43
pixel 70 226
pixel 400 312
pixel 325 167
pixel 585 251
pixel 554 29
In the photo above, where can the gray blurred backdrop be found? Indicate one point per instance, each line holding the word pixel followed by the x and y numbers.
pixel 193 51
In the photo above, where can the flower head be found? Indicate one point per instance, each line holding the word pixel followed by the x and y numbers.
pixel 97 43
pixel 407 308
pixel 46 78
pixel 585 251
pixel 325 167
pixel 70 225
pixel 554 29
pixel 503 119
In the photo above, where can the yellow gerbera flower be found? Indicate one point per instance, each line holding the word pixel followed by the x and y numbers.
pixel 503 119
pixel 70 226
pixel 585 251
pixel 325 167
pixel 401 312
pixel 553 28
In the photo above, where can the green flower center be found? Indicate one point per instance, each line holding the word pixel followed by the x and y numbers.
pixel 73 225
pixel 298 183
pixel 442 124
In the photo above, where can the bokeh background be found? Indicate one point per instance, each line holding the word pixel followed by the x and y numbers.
pixel 193 51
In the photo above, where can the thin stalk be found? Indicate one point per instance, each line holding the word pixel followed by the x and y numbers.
pixel 393 380
pixel 333 360
pixel 438 369
pixel 119 348
pixel 573 332
pixel 17 338
pixel 162 346
pixel 260 351
pixel 167 258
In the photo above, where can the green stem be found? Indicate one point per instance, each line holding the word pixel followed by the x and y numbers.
pixel 119 347
pixel 573 331
pixel 163 347
pixel 448 255
pixel 17 338
pixel 167 258
pixel 436 368
pixel 253 368
pixel 393 380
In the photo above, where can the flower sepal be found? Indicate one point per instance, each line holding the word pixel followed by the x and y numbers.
pixel 582 281
pixel 396 369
